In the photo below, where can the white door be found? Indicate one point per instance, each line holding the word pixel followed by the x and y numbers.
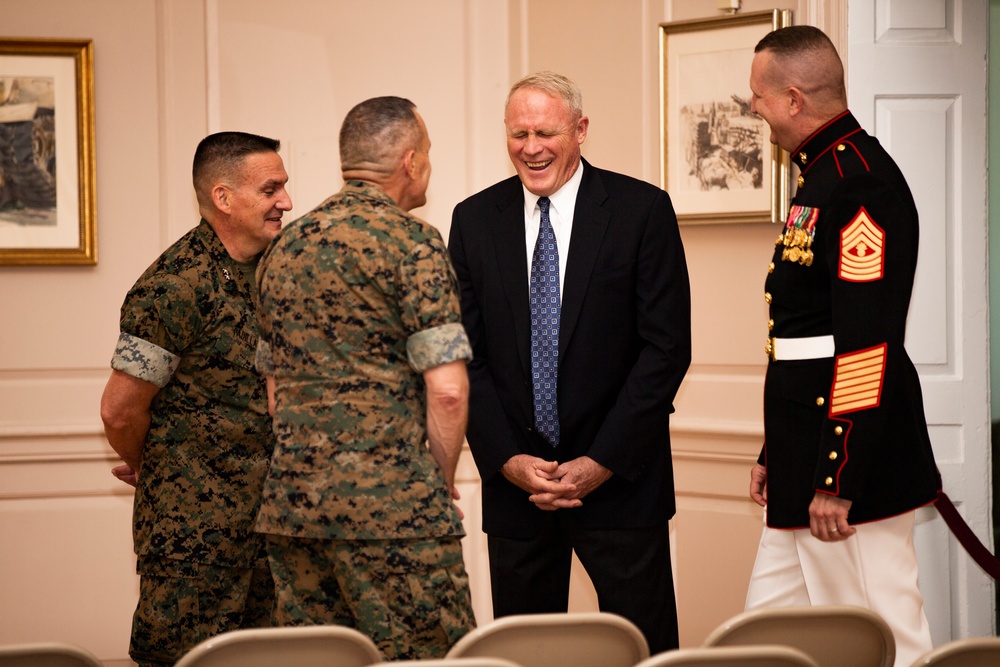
pixel 917 80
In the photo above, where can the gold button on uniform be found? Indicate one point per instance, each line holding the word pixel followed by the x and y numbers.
pixel 802 156
pixel 841 147
pixel 833 456
pixel 770 267
pixel 802 181
pixel 820 401
pixel 838 431
pixel 767 297
pixel 829 481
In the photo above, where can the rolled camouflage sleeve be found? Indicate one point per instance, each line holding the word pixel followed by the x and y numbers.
pixel 440 345
pixel 263 361
pixel 144 360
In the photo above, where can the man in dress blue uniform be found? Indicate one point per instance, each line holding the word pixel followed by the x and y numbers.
pixel 847 458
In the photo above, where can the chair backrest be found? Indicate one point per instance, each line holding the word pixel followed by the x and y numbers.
pixel 46 655
pixel 452 662
pixel 597 639
pixel 969 652
pixel 833 635
pixel 731 656
pixel 306 646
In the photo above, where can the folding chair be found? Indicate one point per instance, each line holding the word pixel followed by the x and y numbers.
pixel 596 639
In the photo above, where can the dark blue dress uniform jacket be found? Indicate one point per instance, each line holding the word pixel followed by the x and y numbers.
pixel 852 425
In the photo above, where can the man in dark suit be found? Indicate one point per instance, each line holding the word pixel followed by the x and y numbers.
pixel 575 297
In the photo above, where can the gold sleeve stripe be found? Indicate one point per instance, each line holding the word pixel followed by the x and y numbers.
pixel 861 250
pixel 857 380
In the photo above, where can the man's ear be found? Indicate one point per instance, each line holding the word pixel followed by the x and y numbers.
pixel 795 100
pixel 409 164
pixel 222 198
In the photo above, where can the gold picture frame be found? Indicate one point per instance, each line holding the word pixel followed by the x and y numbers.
pixel 716 161
pixel 47 165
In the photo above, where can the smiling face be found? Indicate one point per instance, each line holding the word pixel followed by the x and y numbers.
pixel 543 139
pixel 259 199
pixel 770 101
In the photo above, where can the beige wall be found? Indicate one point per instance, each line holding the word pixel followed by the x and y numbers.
pixel 169 71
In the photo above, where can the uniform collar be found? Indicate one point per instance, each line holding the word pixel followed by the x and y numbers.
pixel 212 242
pixel 225 264
pixel 824 139
pixel 367 190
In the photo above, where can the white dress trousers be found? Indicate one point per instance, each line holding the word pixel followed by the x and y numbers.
pixel 875 568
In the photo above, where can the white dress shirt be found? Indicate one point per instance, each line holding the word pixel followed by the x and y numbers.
pixel 562 206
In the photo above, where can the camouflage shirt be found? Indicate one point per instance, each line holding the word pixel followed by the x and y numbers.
pixel 358 298
pixel 188 326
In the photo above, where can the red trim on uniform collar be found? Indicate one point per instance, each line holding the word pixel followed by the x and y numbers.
pixel 814 160
pixel 820 129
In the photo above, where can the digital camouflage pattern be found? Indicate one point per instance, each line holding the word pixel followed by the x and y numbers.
pixel 349 295
pixel 182 604
pixel 410 596
pixel 188 325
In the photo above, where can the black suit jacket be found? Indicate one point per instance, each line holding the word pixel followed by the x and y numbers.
pixel 624 346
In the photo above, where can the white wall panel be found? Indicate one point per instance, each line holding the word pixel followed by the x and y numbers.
pixel 67 572
pixel 919 132
pixel 923 91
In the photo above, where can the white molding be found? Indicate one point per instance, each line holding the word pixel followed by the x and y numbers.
pixel 213 107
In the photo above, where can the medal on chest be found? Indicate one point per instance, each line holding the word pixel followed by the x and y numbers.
pixel 800 230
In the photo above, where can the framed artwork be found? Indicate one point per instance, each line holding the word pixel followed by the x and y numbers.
pixel 717 162
pixel 47 188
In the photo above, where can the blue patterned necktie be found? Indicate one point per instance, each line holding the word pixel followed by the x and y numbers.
pixel 545 307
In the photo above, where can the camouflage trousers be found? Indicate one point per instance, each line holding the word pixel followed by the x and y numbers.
pixel 410 596
pixel 183 603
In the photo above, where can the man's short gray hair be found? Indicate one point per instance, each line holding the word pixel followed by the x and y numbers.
pixel 377 132
pixel 554 84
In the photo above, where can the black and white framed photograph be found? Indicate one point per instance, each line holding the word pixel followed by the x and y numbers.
pixel 718 163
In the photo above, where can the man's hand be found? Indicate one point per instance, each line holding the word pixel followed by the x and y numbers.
pixel 541 479
pixel 456 496
pixel 828 518
pixel 125 473
pixel 758 485
pixel 585 474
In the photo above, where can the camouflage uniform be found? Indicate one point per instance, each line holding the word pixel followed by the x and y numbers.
pixel 188 326
pixel 358 299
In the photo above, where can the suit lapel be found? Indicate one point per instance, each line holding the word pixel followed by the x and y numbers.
pixel 590 221
pixel 508 239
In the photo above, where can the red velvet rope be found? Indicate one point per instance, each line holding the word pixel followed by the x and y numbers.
pixel 983 557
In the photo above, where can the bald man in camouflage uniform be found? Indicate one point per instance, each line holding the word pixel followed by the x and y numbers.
pixel 364 348
pixel 187 412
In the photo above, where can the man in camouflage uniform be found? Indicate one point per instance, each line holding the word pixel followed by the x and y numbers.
pixel 365 352
pixel 187 412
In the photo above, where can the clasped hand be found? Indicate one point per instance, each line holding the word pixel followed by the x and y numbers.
pixel 553 486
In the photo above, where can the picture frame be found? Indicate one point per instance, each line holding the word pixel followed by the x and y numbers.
pixel 716 160
pixel 47 164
